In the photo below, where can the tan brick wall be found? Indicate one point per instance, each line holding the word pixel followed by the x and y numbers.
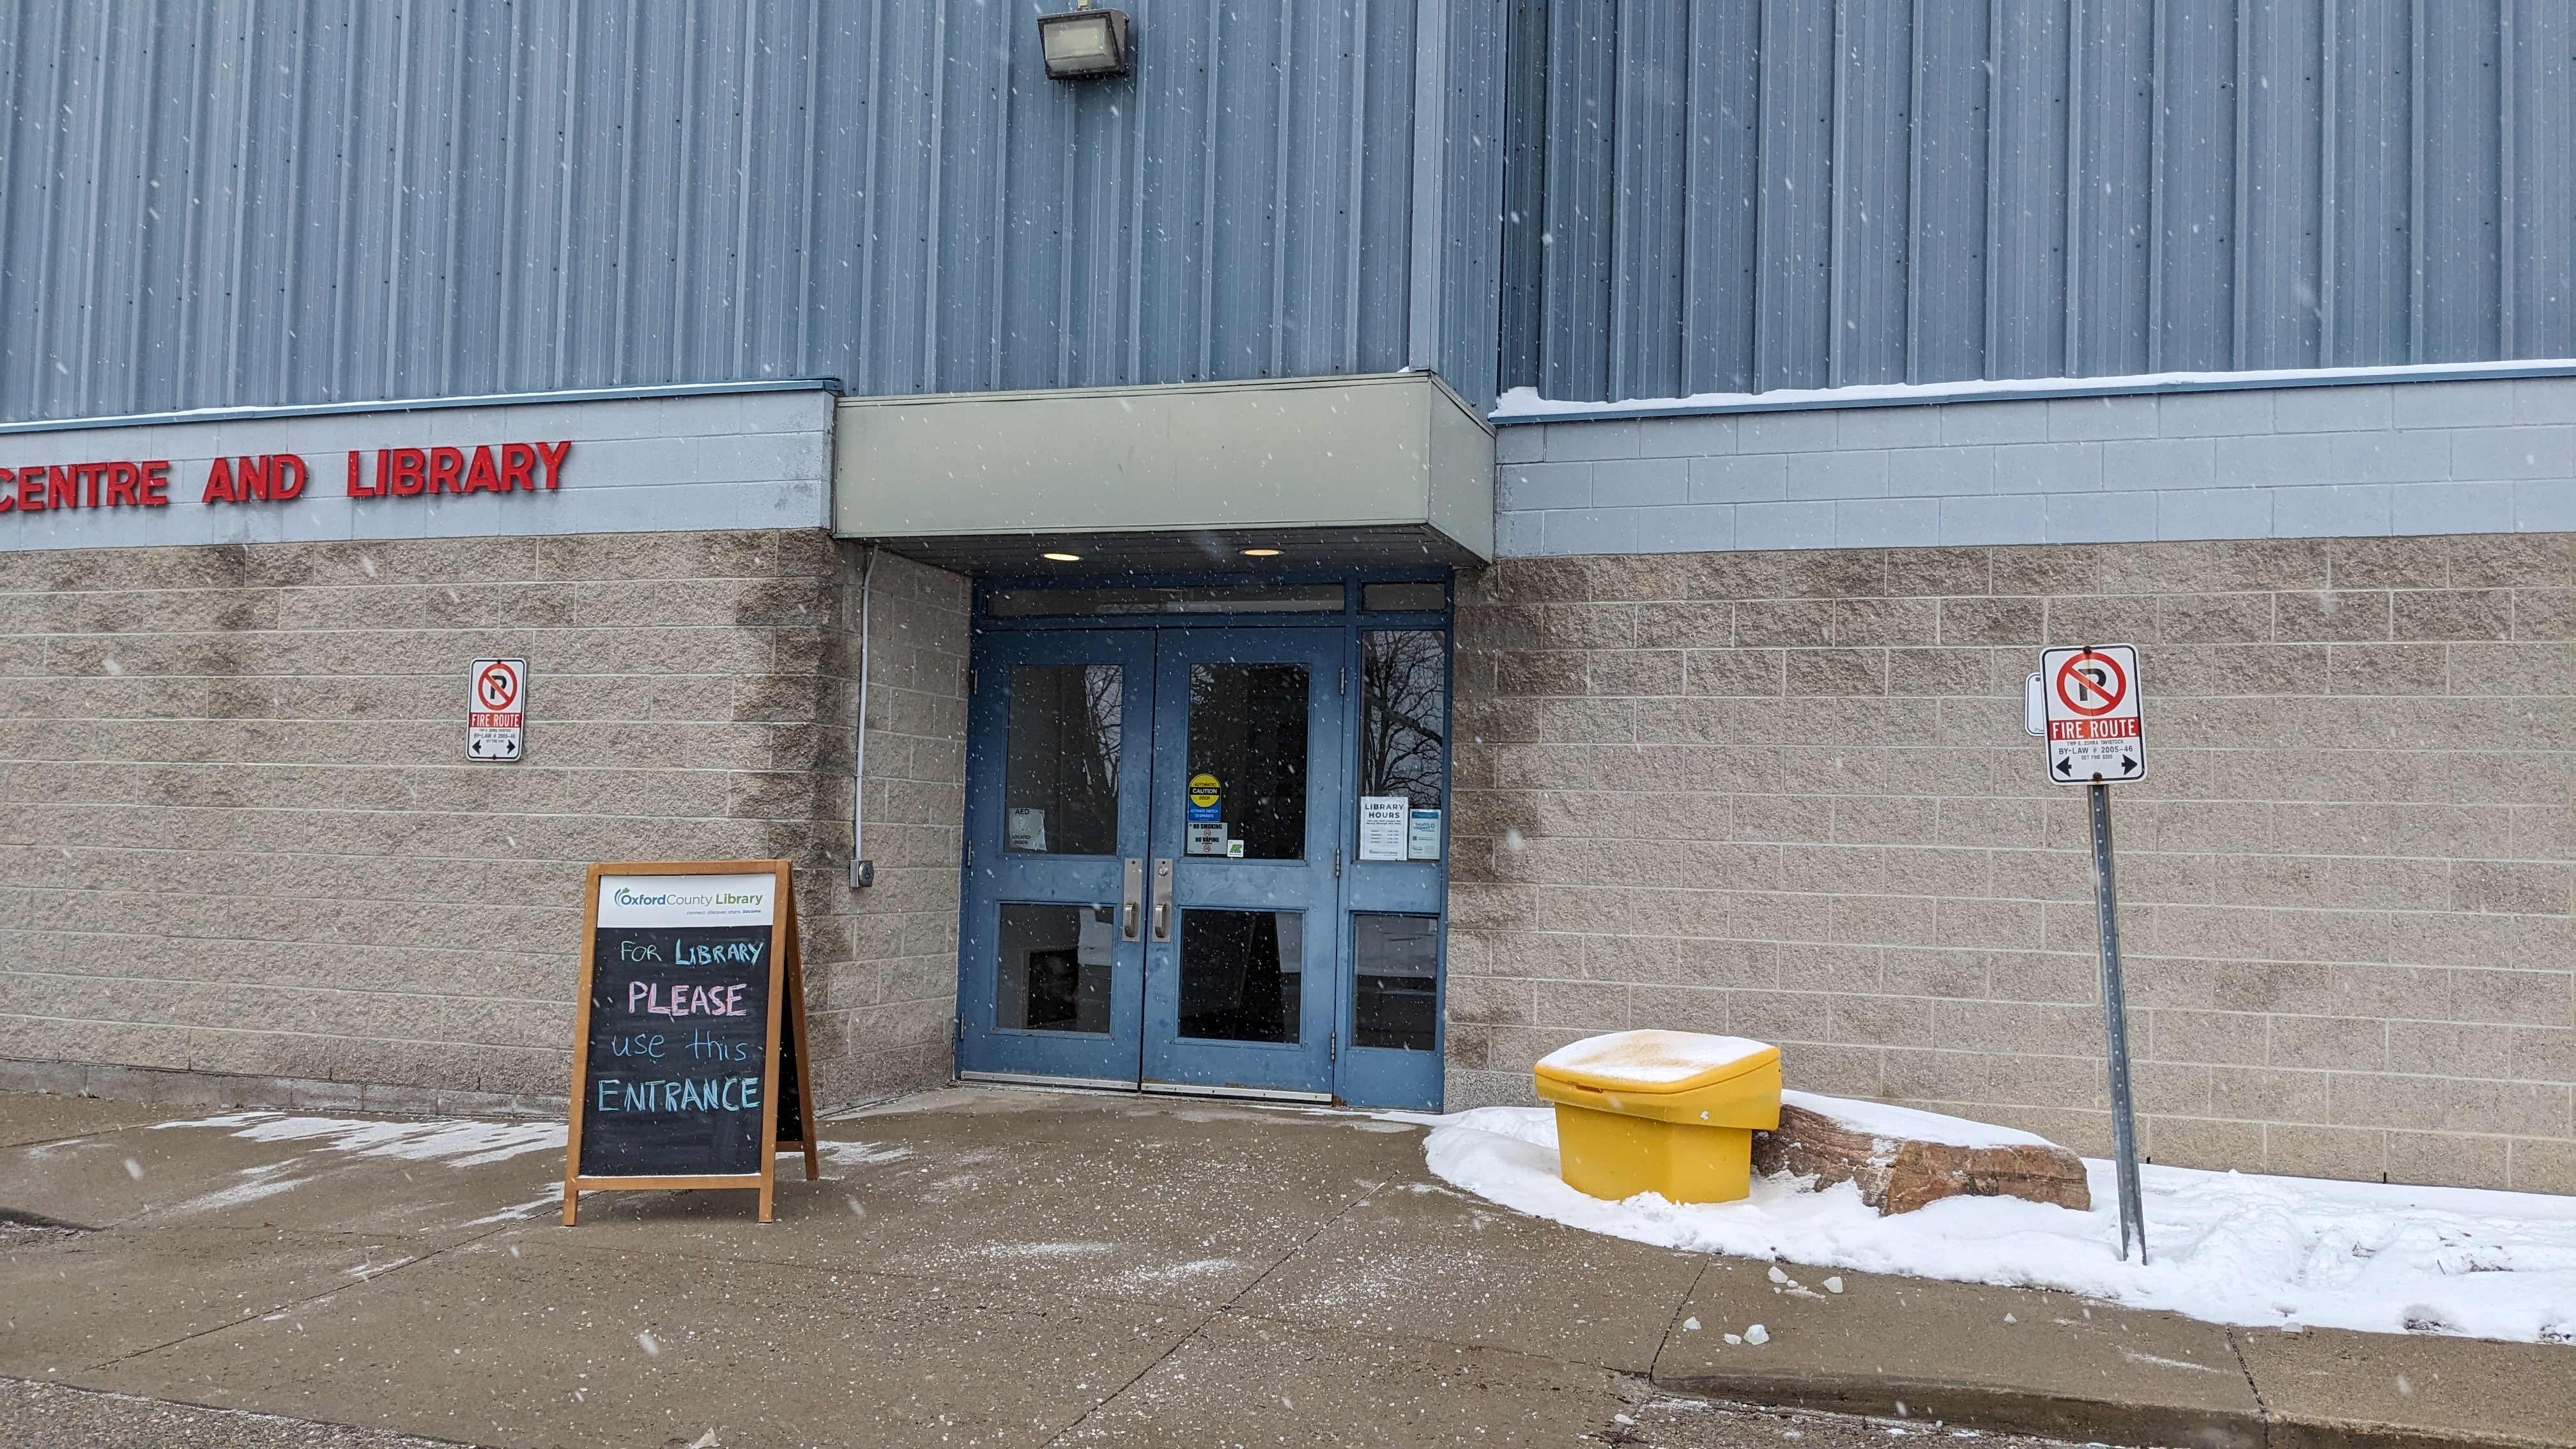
pixel 241 836
pixel 1788 795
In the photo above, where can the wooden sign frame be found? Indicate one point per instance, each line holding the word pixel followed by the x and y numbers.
pixel 786 1018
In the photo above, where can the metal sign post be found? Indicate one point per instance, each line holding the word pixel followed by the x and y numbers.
pixel 2090 701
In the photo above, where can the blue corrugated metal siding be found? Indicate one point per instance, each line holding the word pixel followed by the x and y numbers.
pixel 1931 190
pixel 218 202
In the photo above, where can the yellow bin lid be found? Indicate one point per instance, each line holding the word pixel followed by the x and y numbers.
pixel 1648 1063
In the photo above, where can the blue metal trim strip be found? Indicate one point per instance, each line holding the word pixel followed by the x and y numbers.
pixel 831 385
pixel 1941 395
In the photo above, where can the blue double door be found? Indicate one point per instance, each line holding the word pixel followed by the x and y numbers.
pixel 1155 877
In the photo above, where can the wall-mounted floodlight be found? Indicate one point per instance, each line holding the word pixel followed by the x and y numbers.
pixel 1083 44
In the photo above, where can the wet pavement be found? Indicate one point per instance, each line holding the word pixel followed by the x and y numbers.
pixel 1006 1267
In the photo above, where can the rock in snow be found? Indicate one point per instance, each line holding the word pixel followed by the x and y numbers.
pixel 1901 1159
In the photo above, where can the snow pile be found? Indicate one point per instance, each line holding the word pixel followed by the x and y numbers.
pixel 1889 1122
pixel 457 1143
pixel 2226 1247
pixel 1652 1058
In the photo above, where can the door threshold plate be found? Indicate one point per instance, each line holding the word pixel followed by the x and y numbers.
pixel 1257 1094
pixel 1033 1079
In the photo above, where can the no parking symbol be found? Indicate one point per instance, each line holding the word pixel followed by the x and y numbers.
pixel 496 709
pixel 2094 730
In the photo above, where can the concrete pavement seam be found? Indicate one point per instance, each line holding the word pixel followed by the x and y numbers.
pixel 1655 1370
pixel 1210 1316
pixel 292 1304
pixel 2262 1410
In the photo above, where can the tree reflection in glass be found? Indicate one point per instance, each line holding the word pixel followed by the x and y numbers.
pixel 1060 782
pixel 1404 707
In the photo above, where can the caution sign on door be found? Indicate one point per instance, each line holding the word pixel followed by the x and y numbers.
pixel 2095 732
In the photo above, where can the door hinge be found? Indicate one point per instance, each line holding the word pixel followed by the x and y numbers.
pixel 1346 680
pixel 970 855
pixel 1333 1047
pixel 1337 862
pixel 974 681
pixel 957 1029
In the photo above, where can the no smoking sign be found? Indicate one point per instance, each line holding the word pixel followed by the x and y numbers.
pixel 496 709
pixel 2094 733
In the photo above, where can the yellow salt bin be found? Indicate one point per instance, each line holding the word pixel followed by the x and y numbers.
pixel 1669 1112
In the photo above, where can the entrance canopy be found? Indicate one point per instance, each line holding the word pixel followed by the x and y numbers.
pixel 1344 471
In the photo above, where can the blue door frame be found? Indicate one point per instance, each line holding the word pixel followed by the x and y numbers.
pixel 1328 889
pixel 997 875
pixel 1305 888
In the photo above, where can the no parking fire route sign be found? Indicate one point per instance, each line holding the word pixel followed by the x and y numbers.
pixel 496 708
pixel 2091 695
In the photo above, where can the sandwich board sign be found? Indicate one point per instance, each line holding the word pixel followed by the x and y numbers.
pixel 689 1065
pixel 2090 696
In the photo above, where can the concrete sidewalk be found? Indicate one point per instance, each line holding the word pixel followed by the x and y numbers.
pixel 986 1266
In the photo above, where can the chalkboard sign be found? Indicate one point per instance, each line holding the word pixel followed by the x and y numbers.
pixel 689 1061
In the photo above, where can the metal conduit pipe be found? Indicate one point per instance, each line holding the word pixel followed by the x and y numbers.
pixel 863 871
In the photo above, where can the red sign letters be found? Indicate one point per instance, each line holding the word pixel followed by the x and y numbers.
pixel 281 477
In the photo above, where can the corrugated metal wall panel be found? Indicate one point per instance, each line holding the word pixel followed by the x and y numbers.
pixel 1649 229
pixel 2110 219
pixel 1873 118
pixel 246 201
pixel 1721 191
pixel 1582 196
pixel 1793 210
pixel 2026 205
pixel 1945 295
pixel 2193 270
pixel 2459 238
pixel 267 201
pixel 2542 233
pixel 2280 179
pixel 1913 189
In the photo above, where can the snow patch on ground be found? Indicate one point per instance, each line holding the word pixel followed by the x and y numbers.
pixel 2225 1247
pixel 860 1154
pixel 258 1182
pixel 456 1143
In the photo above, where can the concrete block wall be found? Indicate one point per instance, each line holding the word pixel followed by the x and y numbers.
pixel 1786 794
pixel 895 1002
pixel 2358 460
pixel 243 842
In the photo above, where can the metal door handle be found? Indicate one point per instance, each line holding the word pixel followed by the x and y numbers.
pixel 1163 899
pixel 1131 905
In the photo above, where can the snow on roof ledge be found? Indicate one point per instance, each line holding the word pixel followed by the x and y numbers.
pixel 1524 405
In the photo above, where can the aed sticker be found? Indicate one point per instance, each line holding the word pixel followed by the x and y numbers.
pixel 1203 798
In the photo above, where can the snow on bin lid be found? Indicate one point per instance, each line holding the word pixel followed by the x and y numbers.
pixel 1661 1061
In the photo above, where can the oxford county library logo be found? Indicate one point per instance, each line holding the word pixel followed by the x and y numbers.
pixel 286 477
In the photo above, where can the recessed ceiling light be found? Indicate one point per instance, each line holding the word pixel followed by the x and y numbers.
pixel 1061 557
pixel 1261 553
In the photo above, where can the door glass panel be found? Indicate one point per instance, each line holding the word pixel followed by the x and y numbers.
pixel 1247 751
pixel 1242 974
pixel 1404 707
pixel 1054 969
pixel 1395 961
pixel 1060 788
